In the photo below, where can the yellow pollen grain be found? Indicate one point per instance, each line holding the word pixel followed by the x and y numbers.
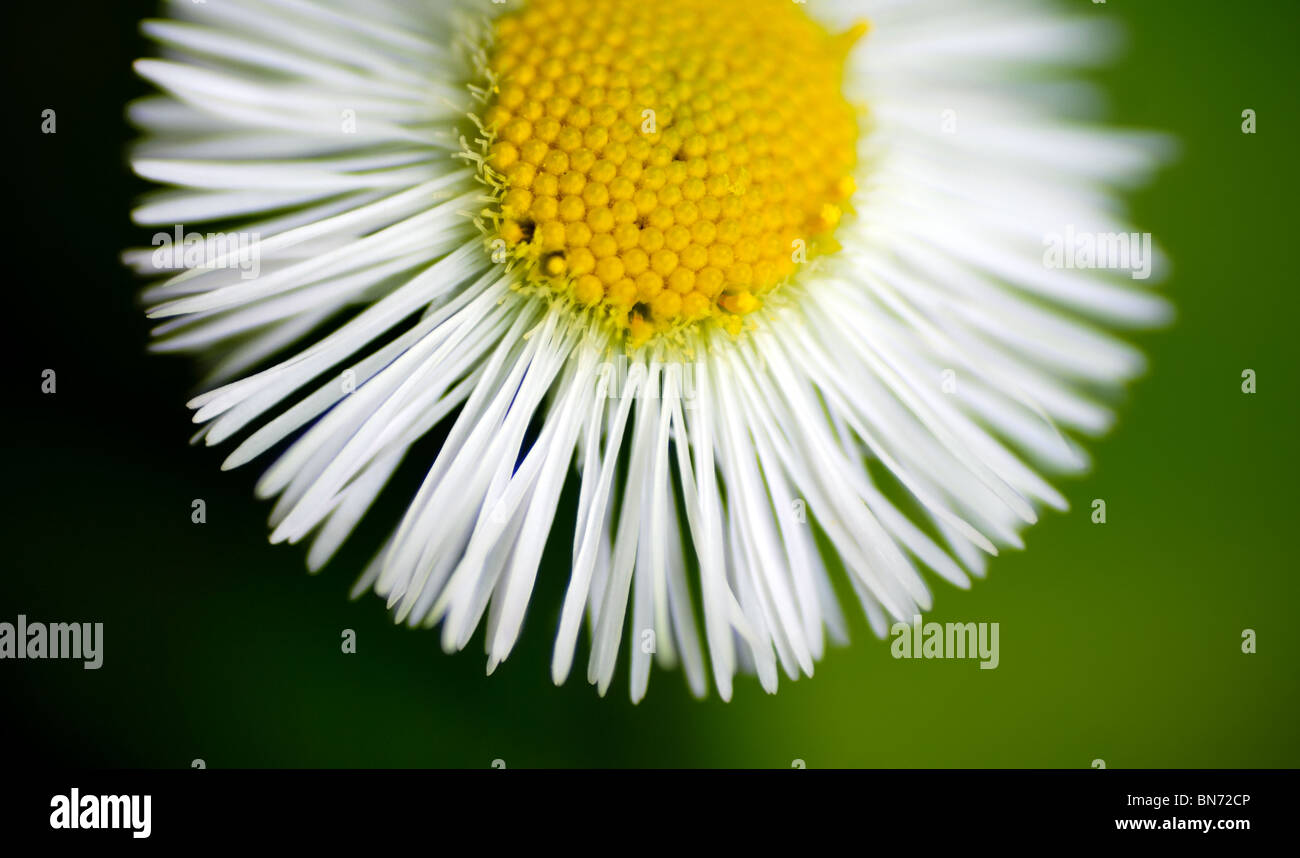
pixel 668 162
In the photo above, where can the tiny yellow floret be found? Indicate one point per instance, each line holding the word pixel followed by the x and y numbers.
pixel 657 161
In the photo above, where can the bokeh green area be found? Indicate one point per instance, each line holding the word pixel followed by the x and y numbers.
pixel 1119 642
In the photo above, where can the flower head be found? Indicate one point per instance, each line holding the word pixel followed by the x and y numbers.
pixel 764 283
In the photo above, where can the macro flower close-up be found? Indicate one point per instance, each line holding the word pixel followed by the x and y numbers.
pixel 517 411
pixel 784 293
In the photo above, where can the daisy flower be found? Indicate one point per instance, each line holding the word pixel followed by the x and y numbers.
pixel 763 280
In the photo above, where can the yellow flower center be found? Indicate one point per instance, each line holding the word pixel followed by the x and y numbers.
pixel 667 163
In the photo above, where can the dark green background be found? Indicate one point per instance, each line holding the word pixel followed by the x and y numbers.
pixel 1119 642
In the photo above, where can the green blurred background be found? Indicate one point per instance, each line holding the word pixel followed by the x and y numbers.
pixel 1119 642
